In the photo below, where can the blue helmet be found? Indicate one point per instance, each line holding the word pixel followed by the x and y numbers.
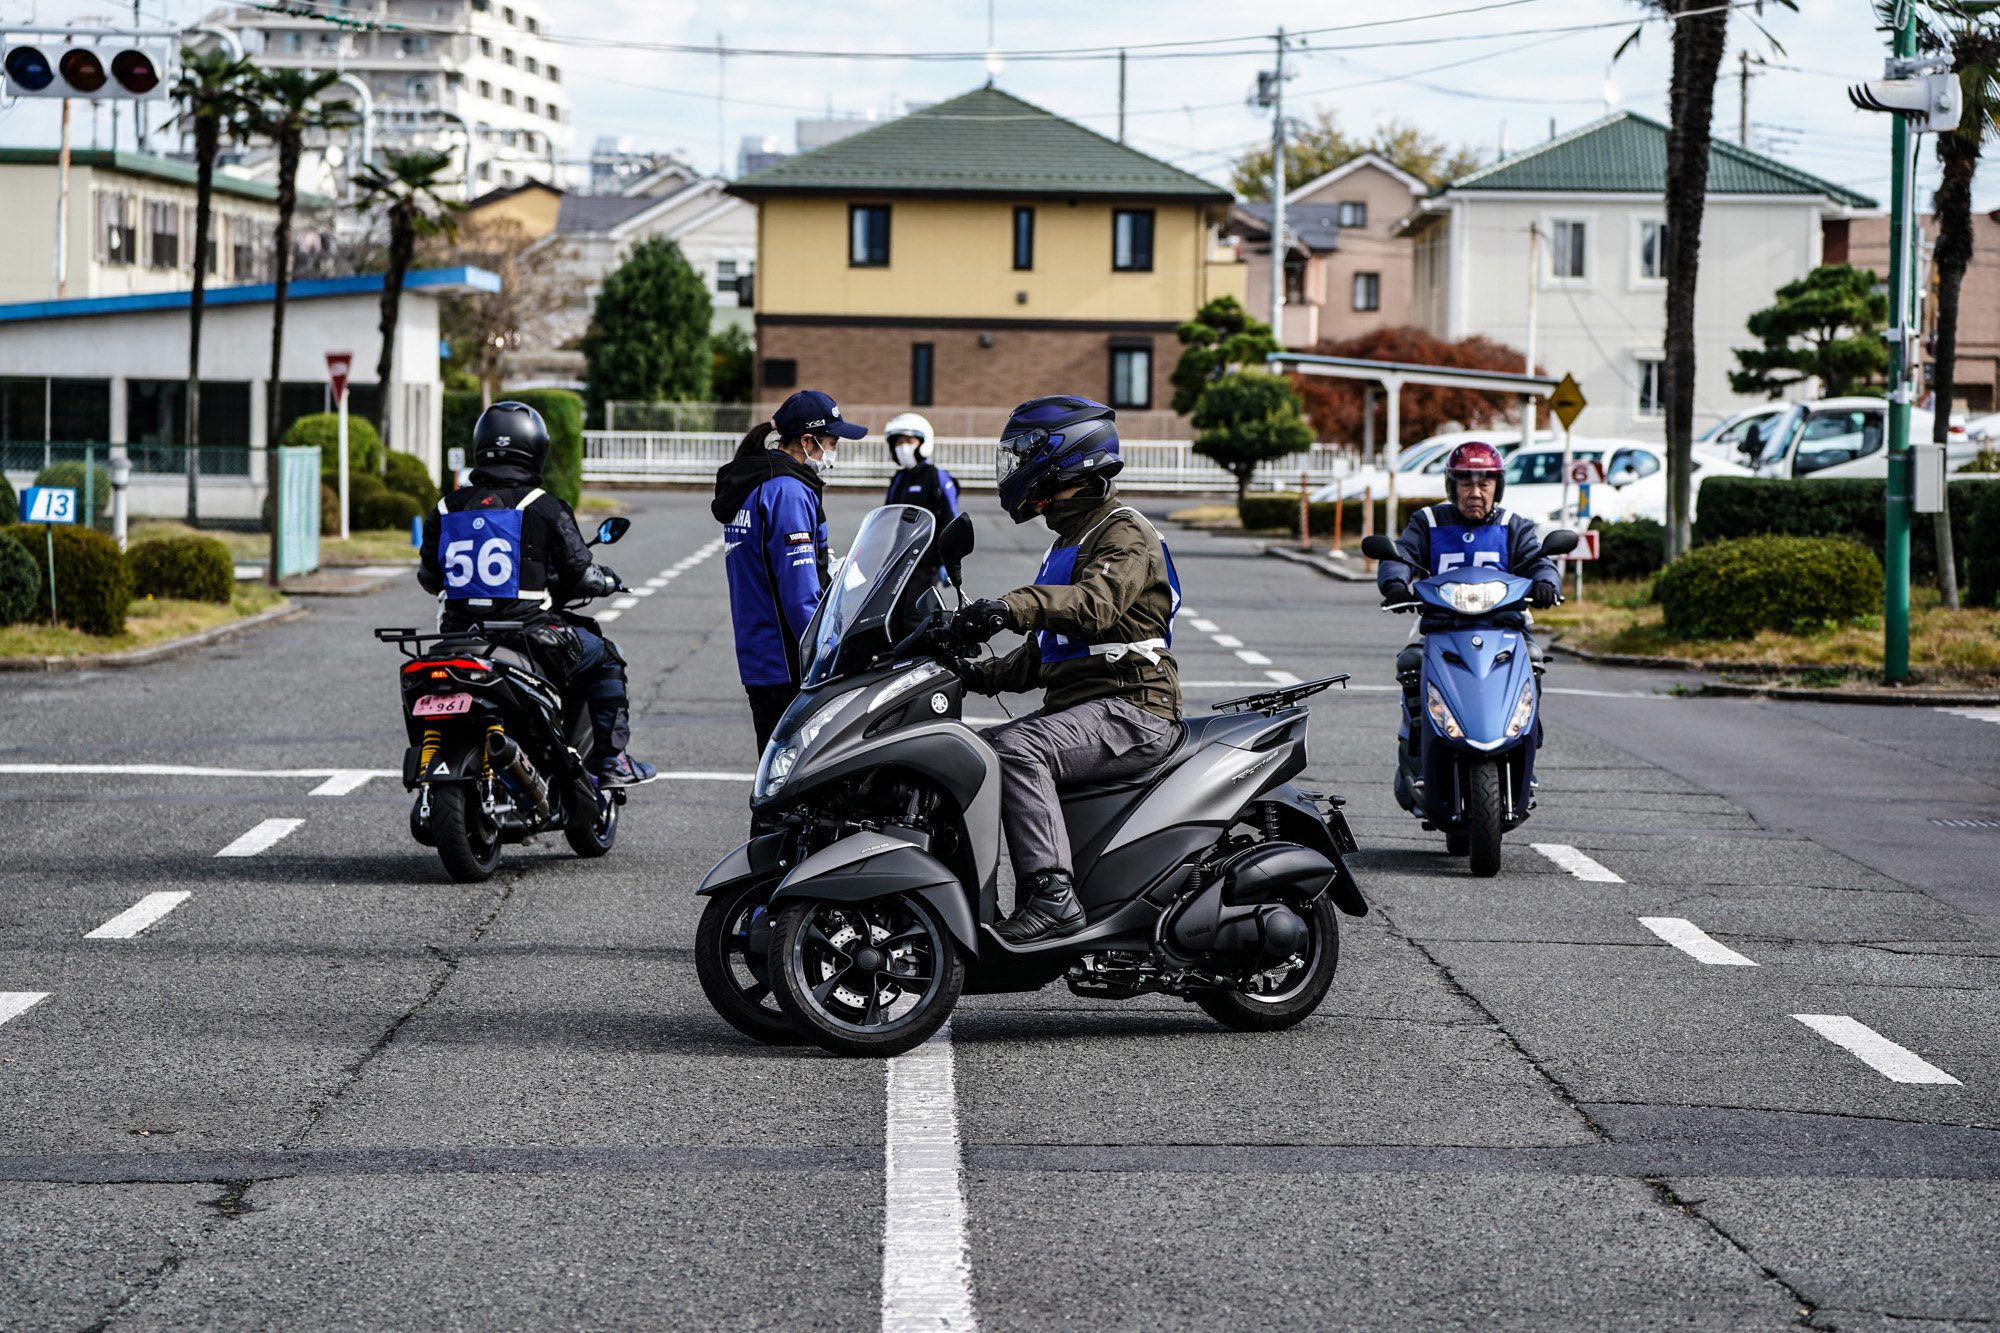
pixel 1050 443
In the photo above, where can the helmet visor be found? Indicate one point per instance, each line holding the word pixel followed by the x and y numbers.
pixel 1016 450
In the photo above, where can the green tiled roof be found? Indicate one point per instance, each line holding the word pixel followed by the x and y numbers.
pixel 159 168
pixel 984 142
pixel 1626 153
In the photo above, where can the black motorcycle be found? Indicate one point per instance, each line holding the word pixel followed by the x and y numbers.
pixel 496 754
pixel 859 922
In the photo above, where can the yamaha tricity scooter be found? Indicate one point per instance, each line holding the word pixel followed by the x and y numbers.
pixel 1467 753
pixel 859 922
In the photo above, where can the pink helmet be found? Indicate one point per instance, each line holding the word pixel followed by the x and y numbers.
pixel 1470 459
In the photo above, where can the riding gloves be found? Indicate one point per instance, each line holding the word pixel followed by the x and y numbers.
pixel 982 620
pixel 1394 592
pixel 1545 594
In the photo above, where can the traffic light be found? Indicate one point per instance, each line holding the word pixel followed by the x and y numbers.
pixel 124 71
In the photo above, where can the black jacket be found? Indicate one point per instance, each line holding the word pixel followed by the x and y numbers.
pixel 552 559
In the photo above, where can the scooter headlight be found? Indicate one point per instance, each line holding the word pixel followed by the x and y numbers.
pixel 1474 599
pixel 909 680
pixel 1441 717
pixel 1524 708
pixel 783 752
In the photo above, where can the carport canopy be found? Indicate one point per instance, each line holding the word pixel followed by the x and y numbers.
pixel 1393 375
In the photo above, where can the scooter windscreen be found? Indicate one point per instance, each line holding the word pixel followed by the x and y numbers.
pixel 858 616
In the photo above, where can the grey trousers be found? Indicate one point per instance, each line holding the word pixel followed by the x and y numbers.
pixel 1105 738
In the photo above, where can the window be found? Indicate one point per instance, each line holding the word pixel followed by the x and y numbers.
pixel 1353 213
pixel 1024 238
pixel 117 235
pixel 923 362
pixel 1628 465
pixel 1653 250
pixel 781 373
pixel 24 410
pixel 1132 377
pixel 507 55
pixel 1295 280
pixel 292 43
pixel 486 47
pixel 1368 291
pixel 1652 388
pixel 1568 247
pixel 486 90
pixel 506 97
pixel 80 410
pixel 532 65
pixel 508 15
pixel 414 45
pixel 554 112
pixel 530 105
pixel 417 87
pixel 1544 467
pixel 163 227
pixel 1132 240
pixel 534 25
pixel 555 74
pixel 868 236
pixel 1831 438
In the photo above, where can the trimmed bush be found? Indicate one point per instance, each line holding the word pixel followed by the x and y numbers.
pixel 329 510
pixel 17 581
pixel 1981 547
pixel 408 474
pixel 385 510
pixel 364 446
pixel 563 411
pixel 10 503
pixel 1633 549
pixel 71 475
pixel 1262 511
pixel 93 586
pixel 196 569
pixel 1849 507
pixel 1732 589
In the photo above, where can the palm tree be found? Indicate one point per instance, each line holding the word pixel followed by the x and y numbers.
pixel 408 184
pixel 213 92
pixel 287 109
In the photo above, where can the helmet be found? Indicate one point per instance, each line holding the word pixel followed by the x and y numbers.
pixel 1050 443
pixel 909 423
pixel 513 433
pixel 1470 459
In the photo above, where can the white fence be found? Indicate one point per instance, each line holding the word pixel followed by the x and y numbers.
pixel 1150 465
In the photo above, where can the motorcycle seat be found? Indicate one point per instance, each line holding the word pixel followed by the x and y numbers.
pixel 1195 732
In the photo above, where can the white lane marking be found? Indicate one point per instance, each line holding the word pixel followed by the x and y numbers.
pixel 1976 714
pixel 1224 684
pixel 265 835
pixel 343 776
pixel 926 1273
pixel 347 781
pixel 1605 694
pixel 14 1003
pixel 1253 658
pixel 609 615
pixel 657 582
pixel 1896 1063
pixel 138 916
pixel 709 777
pixel 1695 942
pixel 1227 640
pixel 646 591
pixel 626 603
pixel 1205 626
pixel 1570 859
pixel 1284 677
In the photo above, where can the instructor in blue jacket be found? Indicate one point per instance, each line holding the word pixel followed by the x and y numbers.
pixel 767 499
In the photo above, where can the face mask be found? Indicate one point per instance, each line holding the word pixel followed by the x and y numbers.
pixel 823 464
pixel 906 455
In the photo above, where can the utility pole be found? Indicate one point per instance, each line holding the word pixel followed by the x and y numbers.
pixel 1743 98
pixel 1279 250
pixel 721 139
pixel 1896 533
pixel 1534 292
pixel 1121 95
pixel 138 108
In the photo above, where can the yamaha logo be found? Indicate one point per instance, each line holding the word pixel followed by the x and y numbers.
pixel 940 704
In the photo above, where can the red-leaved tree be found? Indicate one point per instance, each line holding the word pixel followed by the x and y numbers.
pixel 1334 406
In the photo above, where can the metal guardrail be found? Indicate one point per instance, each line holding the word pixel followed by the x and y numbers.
pixel 1153 465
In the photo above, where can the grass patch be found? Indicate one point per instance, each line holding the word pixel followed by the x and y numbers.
pixel 1958 647
pixel 595 502
pixel 150 621
pixel 1216 515
pixel 386 545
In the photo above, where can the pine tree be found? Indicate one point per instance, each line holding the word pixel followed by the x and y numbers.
pixel 648 339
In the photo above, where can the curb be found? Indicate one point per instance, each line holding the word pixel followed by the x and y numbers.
pixel 159 652
pixel 1890 698
pixel 359 590
pixel 1699 664
pixel 1319 562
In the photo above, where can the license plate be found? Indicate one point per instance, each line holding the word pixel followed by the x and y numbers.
pixel 441 705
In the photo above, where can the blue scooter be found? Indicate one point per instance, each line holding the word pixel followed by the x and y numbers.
pixel 1467 757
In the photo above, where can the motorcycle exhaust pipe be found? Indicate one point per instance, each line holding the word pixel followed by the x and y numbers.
pixel 502 752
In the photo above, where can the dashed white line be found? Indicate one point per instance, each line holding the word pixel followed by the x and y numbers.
pixel 1253 658
pixel 1284 677
pixel 1227 640
pixel 658 581
pixel 347 781
pixel 14 1003
pixel 261 838
pixel 1976 714
pixel 625 603
pixel 1205 626
pixel 338 781
pixel 608 615
pixel 1896 1063
pixel 646 591
pixel 138 916
pixel 1695 942
pixel 1570 859
pixel 926 1271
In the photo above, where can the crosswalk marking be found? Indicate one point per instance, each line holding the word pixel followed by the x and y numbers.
pixel 1896 1063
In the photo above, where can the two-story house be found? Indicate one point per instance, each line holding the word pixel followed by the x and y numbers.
pixel 977 253
pixel 1595 199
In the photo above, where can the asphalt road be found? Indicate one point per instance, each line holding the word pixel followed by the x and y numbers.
pixel 331 1089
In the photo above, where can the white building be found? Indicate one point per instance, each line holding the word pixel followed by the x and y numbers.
pixel 446 71
pixel 1596 198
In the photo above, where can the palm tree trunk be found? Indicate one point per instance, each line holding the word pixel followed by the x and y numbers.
pixel 207 133
pixel 288 197
pixel 402 246
pixel 1698 45
pixel 1959 155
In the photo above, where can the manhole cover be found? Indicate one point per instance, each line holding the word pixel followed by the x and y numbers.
pixel 1967 823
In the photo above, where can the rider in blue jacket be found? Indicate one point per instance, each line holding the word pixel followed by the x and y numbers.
pixel 774 531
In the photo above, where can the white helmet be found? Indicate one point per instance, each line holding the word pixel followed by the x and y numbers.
pixel 909 423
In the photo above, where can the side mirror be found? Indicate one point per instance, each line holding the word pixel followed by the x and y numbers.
pixel 1624 476
pixel 953 544
pixel 611 529
pixel 1560 542
pixel 1380 547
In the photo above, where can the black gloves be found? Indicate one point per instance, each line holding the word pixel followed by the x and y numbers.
pixel 1395 591
pixel 598 581
pixel 1545 594
pixel 982 620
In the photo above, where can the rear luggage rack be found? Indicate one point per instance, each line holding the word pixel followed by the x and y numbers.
pixel 412 642
pixel 1270 701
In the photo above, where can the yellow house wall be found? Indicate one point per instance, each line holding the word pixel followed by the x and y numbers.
pixel 534 211
pixel 954 259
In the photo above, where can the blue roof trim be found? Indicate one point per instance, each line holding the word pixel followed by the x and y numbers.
pixel 364 284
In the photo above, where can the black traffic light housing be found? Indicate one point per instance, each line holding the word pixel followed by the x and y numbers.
pixel 103 70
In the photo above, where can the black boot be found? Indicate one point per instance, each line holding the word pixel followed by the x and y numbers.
pixel 1048 910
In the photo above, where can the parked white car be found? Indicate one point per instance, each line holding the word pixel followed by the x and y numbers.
pixel 1635 480
pixel 1724 442
pixel 1839 437
pixel 1420 467
pixel 1984 431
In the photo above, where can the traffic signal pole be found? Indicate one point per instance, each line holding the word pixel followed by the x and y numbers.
pixel 1896 531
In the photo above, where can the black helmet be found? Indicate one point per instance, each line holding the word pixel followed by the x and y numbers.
pixel 513 433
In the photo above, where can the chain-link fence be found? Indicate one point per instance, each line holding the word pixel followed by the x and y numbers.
pixel 958 423
pixel 231 484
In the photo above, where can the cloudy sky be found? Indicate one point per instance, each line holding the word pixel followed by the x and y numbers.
pixel 1493 72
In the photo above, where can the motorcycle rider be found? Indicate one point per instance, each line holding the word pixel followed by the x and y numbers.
pixel 918 481
pixel 774 528
pixel 512 551
pixel 1100 617
pixel 1469 528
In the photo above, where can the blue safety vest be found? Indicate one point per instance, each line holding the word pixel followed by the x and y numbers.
pixel 1456 544
pixel 1059 567
pixel 479 552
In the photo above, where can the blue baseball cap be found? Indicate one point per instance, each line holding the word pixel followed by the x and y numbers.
pixel 811 412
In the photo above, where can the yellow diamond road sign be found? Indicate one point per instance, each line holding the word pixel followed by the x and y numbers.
pixel 1566 401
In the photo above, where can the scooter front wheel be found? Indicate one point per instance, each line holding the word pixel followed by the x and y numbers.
pixel 731 962
pixel 1483 817
pixel 874 978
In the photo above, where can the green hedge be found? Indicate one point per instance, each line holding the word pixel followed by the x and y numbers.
pixel 329 506
pixel 197 569
pixel 1732 589
pixel 1632 549
pixel 408 474
pixel 10 503
pixel 1981 547
pixel 18 572
pixel 71 475
pixel 561 409
pixel 364 446
pixel 1265 510
pixel 386 510
pixel 93 585
pixel 1849 507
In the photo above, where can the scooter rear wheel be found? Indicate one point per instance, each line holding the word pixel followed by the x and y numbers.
pixel 734 972
pixel 875 978
pixel 595 826
pixel 1483 817
pixel 1298 993
pixel 468 846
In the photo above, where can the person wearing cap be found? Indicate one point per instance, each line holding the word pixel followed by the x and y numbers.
pixel 918 481
pixel 767 499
